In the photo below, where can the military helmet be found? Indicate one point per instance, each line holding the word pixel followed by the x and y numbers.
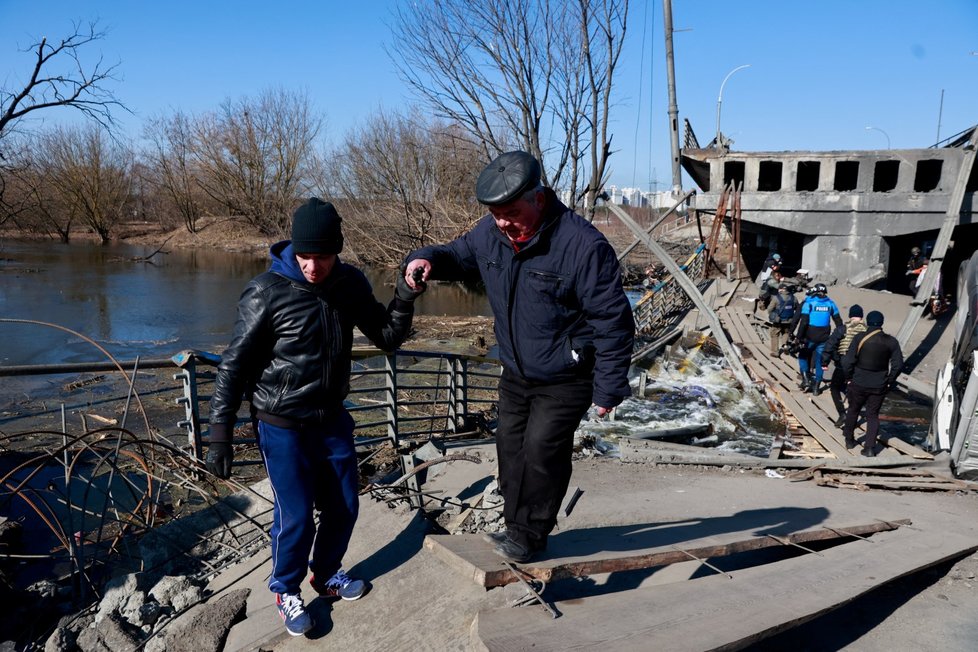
pixel 820 289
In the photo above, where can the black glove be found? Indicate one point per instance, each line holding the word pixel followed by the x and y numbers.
pixel 404 292
pixel 219 456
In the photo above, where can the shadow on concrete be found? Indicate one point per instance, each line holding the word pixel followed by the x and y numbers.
pixel 752 522
pixel 938 326
pixel 845 625
pixel 396 552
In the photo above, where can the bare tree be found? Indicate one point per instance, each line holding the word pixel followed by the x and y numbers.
pixel 93 175
pixel 534 73
pixel 255 156
pixel 42 208
pixel 403 182
pixel 174 166
pixel 58 77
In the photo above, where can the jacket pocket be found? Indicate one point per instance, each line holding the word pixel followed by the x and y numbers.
pixel 545 283
pixel 544 294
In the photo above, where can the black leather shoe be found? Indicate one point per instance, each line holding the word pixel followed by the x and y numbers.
pixel 816 389
pixel 495 537
pixel 841 421
pixel 868 452
pixel 513 551
pixel 850 444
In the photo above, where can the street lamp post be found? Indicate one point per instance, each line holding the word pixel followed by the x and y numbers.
pixel 720 99
pixel 882 132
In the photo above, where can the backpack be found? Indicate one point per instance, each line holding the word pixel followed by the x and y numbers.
pixel 784 310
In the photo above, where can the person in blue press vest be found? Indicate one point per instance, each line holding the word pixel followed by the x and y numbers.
pixel 818 313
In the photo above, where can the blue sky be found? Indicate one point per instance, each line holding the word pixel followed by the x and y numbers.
pixel 820 72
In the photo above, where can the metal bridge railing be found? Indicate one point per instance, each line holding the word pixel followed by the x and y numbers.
pixel 393 396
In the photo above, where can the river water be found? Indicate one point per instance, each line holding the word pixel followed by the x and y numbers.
pixel 182 300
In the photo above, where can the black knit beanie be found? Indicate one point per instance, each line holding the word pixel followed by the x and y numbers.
pixel 855 310
pixel 316 228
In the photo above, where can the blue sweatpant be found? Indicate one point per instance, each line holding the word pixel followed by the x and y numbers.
pixel 311 468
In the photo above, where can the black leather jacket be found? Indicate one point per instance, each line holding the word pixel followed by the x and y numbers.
pixel 292 341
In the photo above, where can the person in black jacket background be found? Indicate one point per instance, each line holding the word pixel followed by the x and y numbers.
pixel 872 364
pixel 291 353
pixel 564 329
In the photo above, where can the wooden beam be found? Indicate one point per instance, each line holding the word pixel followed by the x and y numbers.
pixel 473 556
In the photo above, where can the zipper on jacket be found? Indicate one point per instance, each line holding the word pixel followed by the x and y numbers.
pixel 516 265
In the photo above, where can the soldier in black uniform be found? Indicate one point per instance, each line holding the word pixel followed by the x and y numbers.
pixel 872 365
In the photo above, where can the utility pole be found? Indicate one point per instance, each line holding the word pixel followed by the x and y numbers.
pixel 677 183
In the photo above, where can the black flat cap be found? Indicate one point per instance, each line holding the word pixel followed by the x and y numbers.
pixel 506 178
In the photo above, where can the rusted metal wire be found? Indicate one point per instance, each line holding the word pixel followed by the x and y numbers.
pixel 537 594
pixel 437 460
pixel 111 493
pixel 703 561
pixel 789 542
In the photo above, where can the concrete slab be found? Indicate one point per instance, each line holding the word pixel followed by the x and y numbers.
pixel 418 602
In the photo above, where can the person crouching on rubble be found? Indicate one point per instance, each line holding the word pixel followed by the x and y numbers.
pixel 769 291
pixel 291 351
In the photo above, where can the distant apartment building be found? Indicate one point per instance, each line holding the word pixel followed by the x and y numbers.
pixel 629 197
pixel 638 198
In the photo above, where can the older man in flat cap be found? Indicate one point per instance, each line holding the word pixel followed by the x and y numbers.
pixel 564 329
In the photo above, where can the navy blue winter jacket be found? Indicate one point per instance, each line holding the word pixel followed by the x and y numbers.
pixel 560 310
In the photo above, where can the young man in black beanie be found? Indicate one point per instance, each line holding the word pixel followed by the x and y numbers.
pixel 291 352
pixel 564 329
pixel 835 348
pixel 872 364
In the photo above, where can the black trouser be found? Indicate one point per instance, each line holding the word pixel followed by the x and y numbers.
pixel 534 444
pixel 837 387
pixel 872 398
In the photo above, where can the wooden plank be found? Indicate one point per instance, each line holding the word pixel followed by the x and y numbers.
pixel 471 555
pixel 904 447
pixel 816 429
pixel 717 612
pixel 810 414
pixel 641 450
pixel 894 482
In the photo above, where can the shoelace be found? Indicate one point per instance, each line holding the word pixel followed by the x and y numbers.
pixel 340 579
pixel 292 605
